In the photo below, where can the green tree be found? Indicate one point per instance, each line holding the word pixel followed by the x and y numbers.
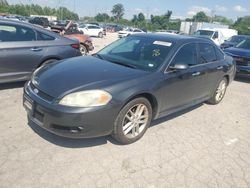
pixel 118 11
pixel 201 17
pixel 134 19
pixel 141 17
pixel 102 17
pixel 242 25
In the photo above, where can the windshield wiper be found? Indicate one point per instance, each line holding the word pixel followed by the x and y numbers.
pixel 99 56
pixel 124 64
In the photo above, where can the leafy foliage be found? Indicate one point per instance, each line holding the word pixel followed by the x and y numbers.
pixel 27 10
pixel 118 11
pixel 242 25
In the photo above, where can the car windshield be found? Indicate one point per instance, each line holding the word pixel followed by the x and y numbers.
pixel 205 33
pixel 236 39
pixel 138 52
pixel 245 44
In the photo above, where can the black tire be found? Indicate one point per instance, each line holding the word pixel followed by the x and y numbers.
pixel 83 49
pixel 214 99
pixel 118 133
pixel 100 35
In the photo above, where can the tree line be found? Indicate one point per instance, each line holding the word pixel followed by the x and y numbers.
pixel 155 22
pixel 163 22
pixel 26 10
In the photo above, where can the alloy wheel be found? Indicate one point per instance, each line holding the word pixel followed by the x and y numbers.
pixel 220 91
pixel 135 120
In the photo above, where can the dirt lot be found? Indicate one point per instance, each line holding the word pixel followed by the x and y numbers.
pixel 206 146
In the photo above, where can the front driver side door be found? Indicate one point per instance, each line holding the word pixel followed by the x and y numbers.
pixel 183 88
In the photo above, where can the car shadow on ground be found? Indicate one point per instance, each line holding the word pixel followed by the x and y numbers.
pixel 174 115
pixel 242 79
pixel 91 142
pixel 13 85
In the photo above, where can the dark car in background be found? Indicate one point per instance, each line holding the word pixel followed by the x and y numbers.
pixel 25 47
pixel 120 89
pixel 44 22
pixel 233 41
pixel 241 55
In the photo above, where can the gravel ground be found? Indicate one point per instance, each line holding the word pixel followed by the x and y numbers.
pixel 206 146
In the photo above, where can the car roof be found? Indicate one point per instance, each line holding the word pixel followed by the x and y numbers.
pixel 174 38
pixel 29 25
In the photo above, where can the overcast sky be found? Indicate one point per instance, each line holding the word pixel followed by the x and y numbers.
pixel 181 9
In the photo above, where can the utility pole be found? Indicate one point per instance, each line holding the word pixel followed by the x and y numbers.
pixel 30 2
pixel 212 15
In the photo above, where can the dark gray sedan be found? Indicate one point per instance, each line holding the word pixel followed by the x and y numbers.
pixel 123 87
pixel 25 47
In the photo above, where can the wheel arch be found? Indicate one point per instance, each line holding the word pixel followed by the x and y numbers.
pixel 228 78
pixel 48 58
pixel 150 97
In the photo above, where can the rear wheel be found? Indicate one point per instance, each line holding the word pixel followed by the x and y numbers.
pixel 83 49
pixel 219 92
pixel 133 121
pixel 100 35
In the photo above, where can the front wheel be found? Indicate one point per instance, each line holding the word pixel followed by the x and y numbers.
pixel 219 92
pixel 132 121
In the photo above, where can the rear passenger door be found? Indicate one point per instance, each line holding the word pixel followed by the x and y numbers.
pixel 211 57
pixel 19 53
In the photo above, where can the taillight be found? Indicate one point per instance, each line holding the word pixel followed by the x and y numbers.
pixel 76 46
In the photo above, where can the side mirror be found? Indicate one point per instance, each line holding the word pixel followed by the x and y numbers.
pixel 179 66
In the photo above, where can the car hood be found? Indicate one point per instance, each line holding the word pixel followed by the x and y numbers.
pixel 237 52
pixel 81 73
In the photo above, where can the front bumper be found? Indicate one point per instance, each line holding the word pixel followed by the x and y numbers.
pixel 243 71
pixel 68 121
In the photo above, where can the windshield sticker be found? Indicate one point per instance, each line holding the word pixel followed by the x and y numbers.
pixel 163 43
pixel 150 65
pixel 156 52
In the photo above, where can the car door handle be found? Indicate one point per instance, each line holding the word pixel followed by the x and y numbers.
pixel 219 68
pixel 196 73
pixel 36 49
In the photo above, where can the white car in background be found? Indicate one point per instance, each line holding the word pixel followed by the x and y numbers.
pixel 128 32
pixel 91 30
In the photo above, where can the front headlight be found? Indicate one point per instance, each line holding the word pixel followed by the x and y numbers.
pixel 86 98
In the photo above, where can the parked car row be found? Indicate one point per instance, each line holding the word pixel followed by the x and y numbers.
pixel 25 47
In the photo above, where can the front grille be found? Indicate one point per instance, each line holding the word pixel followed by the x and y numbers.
pixel 41 93
pixel 38 115
pixel 240 63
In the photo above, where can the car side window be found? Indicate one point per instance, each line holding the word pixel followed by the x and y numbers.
pixel 220 54
pixel 207 53
pixel 11 33
pixel 42 37
pixel 137 30
pixel 186 55
pixel 6 33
